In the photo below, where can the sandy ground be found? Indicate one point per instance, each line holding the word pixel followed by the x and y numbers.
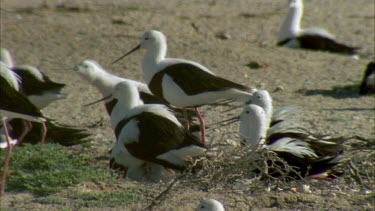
pixel 223 35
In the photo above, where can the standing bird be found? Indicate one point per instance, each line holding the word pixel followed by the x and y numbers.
pixel 291 34
pixel 150 132
pixel 40 91
pixel 300 154
pixel 368 81
pixel 38 87
pixel 181 82
pixel 105 83
pixel 14 104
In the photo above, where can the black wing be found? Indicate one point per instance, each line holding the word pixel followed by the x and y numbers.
pixel 192 80
pixel 32 86
pixel 64 135
pixel 316 42
pixel 14 101
pixel 159 135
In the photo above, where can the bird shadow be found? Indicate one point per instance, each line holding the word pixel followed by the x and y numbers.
pixel 337 92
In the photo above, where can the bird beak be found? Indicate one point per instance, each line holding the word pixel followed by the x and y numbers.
pixel 226 122
pixel 134 49
pixel 103 99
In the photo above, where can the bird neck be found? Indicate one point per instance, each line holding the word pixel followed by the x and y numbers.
pixel 123 107
pixel 254 132
pixel 6 57
pixel 292 24
pixel 268 109
pixel 152 59
pixel 104 82
pixel 11 77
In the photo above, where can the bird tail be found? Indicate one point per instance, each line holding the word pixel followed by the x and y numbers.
pixel 57 133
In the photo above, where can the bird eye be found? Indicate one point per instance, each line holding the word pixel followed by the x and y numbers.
pixel 146 38
pixel 248 112
pixel 259 96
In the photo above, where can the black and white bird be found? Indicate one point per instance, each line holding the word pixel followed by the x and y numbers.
pixel 210 205
pixel 149 132
pixel 183 83
pixel 41 91
pixel 105 83
pixel 307 156
pixel 368 82
pixel 14 104
pixel 291 34
pixel 37 86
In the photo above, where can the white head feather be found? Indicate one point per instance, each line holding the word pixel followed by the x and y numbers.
pixel 253 125
pixel 210 205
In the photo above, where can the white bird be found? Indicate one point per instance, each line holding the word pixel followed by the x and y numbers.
pixel 286 121
pixel 14 104
pixel 181 82
pixel 149 133
pixel 210 205
pixel 105 82
pixel 305 155
pixel 287 113
pixel 263 99
pixel 291 34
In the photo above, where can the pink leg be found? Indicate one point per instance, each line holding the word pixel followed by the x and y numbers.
pixel 148 170
pixel 7 159
pixel 202 125
pixel 187 119
pixel 27 128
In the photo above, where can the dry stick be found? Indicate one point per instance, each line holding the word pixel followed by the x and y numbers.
pixel 167 190
pixel 355 174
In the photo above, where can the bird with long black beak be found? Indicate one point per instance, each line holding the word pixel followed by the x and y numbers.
pixel 184 83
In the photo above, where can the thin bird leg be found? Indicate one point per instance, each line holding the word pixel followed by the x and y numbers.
pixel 27 128
pixel 44 132
pixel 148 170
pixel 202 125
pixel 7 159
pixel 187 119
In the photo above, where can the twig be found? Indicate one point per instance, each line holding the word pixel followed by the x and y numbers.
pixel 170 186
